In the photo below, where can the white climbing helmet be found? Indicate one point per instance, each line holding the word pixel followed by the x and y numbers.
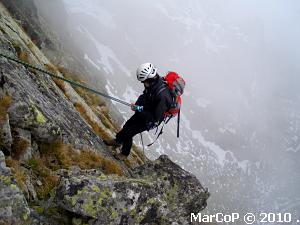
pixel 145 71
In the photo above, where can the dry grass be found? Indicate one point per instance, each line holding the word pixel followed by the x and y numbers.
pixel 139 155
pixel 51 68
pixel 39 171
pixel 18 172
pixel 98 130
pixel 24 56
pixel 88 160
pixel 61 156
pixel 100 113
pixel 67 74
pixel 103 113
pixel 48 178
pixel 4 105
pixel 60 84
pixel 5 102
pixel 31 45
pixel 93 100
pixel 19 146
pixel 56 156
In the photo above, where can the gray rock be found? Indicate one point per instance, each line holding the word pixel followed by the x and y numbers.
pixel 23 134
pixel 35 147
pixel 159 192
pixel 30 188
pixel 39 183
pixel 3 169
pixel 28 117
pixel 20 115
pixel 6 136
pixel 13 206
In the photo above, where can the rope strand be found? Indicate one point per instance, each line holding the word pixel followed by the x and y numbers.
pixel 64 79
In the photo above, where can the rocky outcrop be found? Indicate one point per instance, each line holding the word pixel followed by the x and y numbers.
pixel 38 104
pixel 26 14
pixel 13 206
pixel 159 192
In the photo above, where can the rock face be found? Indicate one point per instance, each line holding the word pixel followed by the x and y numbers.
pixel 13 206
pixel 159 192
pixel 25 12
pixel 39 106
pixel 5 135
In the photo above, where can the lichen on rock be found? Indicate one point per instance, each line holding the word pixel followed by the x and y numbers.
pixel 13 206
pixel 155 192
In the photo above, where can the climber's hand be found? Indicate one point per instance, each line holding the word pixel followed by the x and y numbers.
pixel 136 108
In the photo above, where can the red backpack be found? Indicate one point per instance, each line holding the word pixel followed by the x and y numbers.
pixel 176 85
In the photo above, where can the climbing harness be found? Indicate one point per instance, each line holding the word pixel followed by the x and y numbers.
pixel 166 120
pixel 73 83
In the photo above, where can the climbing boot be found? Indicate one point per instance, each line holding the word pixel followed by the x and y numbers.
pixel 112 142
pixel 121 157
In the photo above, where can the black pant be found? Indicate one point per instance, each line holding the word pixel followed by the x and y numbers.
pixel 136 124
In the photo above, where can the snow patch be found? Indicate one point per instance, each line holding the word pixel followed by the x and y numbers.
pixel 227 129
pixel 130 94
pixel 107 55
pixel 244 165
pixel 111 91
pixel 86 57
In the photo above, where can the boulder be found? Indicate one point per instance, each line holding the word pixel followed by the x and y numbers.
pixel 13 206
pixel 159 192
pixel 28 117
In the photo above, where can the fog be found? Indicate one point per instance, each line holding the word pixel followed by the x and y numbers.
pixel 240 60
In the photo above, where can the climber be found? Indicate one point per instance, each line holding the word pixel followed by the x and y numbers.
pixel 149 109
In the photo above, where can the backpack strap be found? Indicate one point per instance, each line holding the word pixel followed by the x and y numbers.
pixel 178 120
pixel 166 120
pixel 169 118
pixel 161 89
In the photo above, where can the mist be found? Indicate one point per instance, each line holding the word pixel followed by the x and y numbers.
pixel 240 60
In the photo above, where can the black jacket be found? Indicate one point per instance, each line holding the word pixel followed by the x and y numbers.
pixel 156 100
